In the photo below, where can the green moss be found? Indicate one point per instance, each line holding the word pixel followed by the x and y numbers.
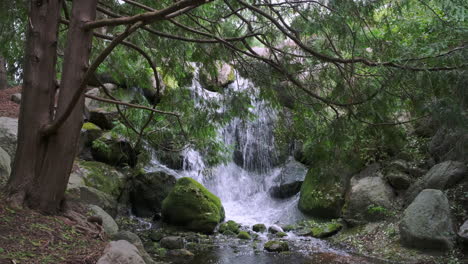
pixel 289 228
pixel 259 228
pixel 243 235
pixel 90 126
pixel 281 234
pixel 326 230
pixel 192 206
pixel 101 176
pixel 320 197
pixel 229 226
pixel 276 246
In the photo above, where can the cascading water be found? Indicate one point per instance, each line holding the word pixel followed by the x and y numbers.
pixel 242 184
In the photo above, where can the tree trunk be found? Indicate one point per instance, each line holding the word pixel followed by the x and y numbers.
pixel 50 159
pixel 3 75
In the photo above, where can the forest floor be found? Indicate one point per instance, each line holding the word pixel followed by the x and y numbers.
pixel 9 108
pixel 29 237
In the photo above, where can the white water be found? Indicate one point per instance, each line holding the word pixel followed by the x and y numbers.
pixel 243 189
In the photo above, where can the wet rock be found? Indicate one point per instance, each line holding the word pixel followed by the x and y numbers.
pixel 136 241
pixel 108 223
pixel 192 206
pixel 90 195
pixel 441 177
pixel 259 228
pixel 243 235
pixel 281 234
pixel 5 168
pixel 276 246
pixel 114 150
pixel 101 176
pixel 148 191
pixel 426 223
pixel 103 118
pixel 179 256
pixel 230 226
pixel 172 242
pixel 173 160
pixel 122 252
pixel 326 230
pixel 16 98
pixel 289 180
pixel 275 229
pixel 9 135
pixel 156 235
pixel 463 232
pixel 224 76
pixel 370 199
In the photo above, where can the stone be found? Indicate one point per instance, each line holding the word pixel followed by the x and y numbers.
pixel 259 228
pixel 172 242
pixel 101 176
pixel 325 230
pixel 91 103
pixel 463 232
pixel 273 229
pixel 449 144
pixel 173 160
pixel 442 176
pixel 290 179
pixel 321 196
pixel 243 235
pixel 136 241
pixel 148 192
pixel 230 226
pixel 192 206
pixel 180 256
pixel 398 180
pixel 122 252
pixel 426 223
pixel 224 76
pixel 9 135
pixel 108 223
pixel 103 118
pixel 370 199
pixel 5 167
pixel 90 195
pixel 114 150
pixel 16 98
pixel 276 246
pixel 89 132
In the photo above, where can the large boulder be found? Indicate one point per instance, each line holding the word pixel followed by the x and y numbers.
pixel 321 196
pixel 441 177
pixel 122 252
pixel 290 179
pixel 108 223
pixel 114 150
pixel 426 223
pixel 89 133
pixel 5 168
pixel 215 81
pixel 90 195
pixel 369 199
pixel 104 118
pixel 136 241
pixel 463 232
pixel 192 206
pixel 9 135
pixel 148 192
pixel 100 176
pixel 449 144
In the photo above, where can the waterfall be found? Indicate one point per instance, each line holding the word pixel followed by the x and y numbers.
pixel 243 183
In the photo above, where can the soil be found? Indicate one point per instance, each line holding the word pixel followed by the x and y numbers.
pixel 29 237
pixel 9 108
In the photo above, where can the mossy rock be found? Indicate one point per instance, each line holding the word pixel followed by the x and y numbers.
pixel 192 206
pixel 259 228
pixel 276 246
pixel 244 235
pixel 231 226
pixel 281 234
pixel 101 176
pixel 321 196
pixel 326 230
pixel 114 150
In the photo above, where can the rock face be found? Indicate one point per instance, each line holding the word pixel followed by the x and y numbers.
pixel 290 179
pixel 148 192
pixel 5 168
pixel 108 223
pixel 115 151
pixel 321 197
pixel 449 144
pixel 192 206
pixel 463 232
pixel 426 223
pixel 224 76
pixel 121 252
pixel 441 177
pixel 9 135
pixel 368 200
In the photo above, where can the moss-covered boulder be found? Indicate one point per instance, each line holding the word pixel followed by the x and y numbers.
pixel 89 133
pixel 326 230
pixel 114 150
pixel 321 196
pixel 276 246
pixel 192 206
pixel 100 176
pixel 259 228
pixel 230 227
pixel 244 235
